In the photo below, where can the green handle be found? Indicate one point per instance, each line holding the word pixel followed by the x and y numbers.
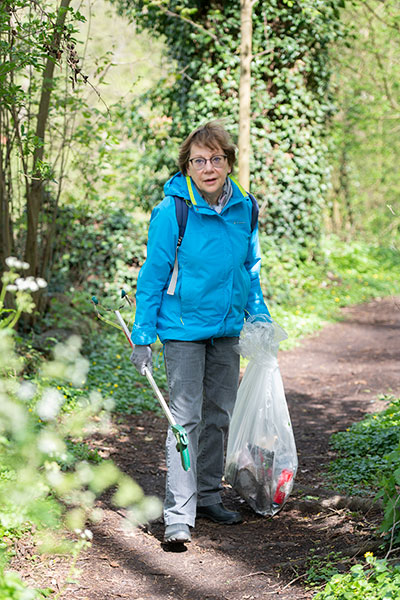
pixel 182 445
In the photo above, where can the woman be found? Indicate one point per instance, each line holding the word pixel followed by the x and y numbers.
pixel 198 317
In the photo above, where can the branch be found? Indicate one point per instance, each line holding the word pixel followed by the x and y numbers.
pixel 371 10
pixel 375 53
pixel 169 13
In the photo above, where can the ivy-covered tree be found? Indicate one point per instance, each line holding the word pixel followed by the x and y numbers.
pixel 244 138
pixel 290 99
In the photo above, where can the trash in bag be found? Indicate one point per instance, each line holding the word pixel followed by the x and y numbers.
pixel 261 461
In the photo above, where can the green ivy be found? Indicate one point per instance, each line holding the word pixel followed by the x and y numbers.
pixel 363 450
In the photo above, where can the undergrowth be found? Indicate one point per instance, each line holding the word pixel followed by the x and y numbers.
pixel 306 288
pixel 363 450
pixel 376 579
pixel 321 568
pixel 112 374
pixel 368 462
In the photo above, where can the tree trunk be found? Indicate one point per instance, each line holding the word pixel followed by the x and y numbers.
pixel 5 229
pixel 5 222
pixel 35 195
pixel 246 29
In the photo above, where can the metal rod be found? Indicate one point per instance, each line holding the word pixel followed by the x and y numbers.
pixel 160 397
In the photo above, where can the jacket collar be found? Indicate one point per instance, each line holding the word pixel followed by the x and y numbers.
pixel 238 193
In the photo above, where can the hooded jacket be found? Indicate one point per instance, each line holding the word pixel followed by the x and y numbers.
pixel 218 283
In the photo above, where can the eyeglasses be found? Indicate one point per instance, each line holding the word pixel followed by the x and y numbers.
pixel 216 161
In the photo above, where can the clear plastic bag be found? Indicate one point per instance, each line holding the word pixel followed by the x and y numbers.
pixel 261 461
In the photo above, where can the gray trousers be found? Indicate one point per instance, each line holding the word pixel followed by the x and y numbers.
pixel 203 380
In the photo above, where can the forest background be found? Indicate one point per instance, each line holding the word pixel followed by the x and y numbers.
pixel 95 99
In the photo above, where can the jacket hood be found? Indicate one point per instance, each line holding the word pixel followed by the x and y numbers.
pixel 177 186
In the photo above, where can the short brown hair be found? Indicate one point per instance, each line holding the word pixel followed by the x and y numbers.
pixel 212 134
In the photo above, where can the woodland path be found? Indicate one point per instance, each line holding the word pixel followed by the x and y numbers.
pixel 331 380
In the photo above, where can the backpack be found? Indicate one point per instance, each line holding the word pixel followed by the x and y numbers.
pixel 182 211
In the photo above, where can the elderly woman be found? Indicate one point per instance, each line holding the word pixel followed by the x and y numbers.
pixel 195 298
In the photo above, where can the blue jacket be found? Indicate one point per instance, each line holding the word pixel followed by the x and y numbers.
pixel 219 264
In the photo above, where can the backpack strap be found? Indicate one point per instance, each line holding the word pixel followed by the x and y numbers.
pixel 254 207
pixel 181 211
pixel 254 212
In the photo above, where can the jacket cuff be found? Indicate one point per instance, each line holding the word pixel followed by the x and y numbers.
pixel 143 337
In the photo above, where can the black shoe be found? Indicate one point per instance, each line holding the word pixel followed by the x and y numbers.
pixel 219 514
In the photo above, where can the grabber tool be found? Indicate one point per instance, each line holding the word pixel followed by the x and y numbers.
pixel 178 431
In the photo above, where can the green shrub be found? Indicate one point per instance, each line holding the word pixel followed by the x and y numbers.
pixel 112 374
pixel 363 450
pixel 375 580
pixel 13 588
pixel 104 248
pixel 369 462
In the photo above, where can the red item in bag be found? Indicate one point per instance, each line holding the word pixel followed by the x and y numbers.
pixel 282 488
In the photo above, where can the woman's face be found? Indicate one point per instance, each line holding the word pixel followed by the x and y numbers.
pixel 210 179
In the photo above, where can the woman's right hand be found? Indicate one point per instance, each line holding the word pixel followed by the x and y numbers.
pixel 142 357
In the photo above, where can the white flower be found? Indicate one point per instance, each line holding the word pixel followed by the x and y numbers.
pixel 41 282
pixel 21 284
pixel 28 284
pixel 49 443
pixel 88 534
pixel 11 288
pixel 26 391
pixel 48 406
pixel 14 262
pixel 33 286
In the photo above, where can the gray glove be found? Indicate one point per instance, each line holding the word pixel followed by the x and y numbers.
pixel 142 357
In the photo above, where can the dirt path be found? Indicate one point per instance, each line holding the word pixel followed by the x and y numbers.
pixel 331 380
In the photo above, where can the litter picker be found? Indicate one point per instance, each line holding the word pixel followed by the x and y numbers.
pixel 178 431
